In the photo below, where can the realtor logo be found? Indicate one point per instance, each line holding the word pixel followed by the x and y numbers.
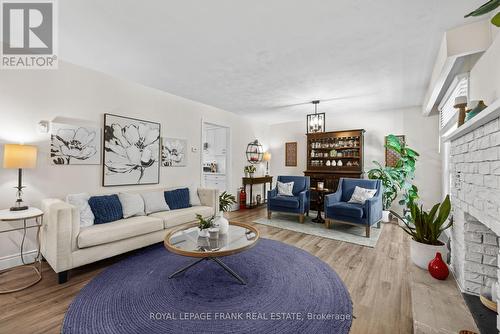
pixel 28 31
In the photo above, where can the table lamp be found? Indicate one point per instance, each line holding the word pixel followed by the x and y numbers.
pixel 266 157
pixel 19 156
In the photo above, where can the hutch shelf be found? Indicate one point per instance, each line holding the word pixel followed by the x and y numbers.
pixel 333 155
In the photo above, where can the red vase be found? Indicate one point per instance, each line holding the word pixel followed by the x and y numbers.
pixel 437 268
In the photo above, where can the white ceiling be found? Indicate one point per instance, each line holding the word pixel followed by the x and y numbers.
pixel 261 58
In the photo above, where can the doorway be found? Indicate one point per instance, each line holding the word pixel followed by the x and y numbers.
pixel 215 156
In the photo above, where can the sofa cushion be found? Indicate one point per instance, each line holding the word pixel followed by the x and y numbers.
pixel 132 204
pixel 154 201
pixel 106 208
pixel 285 201
pixel 353 210
pixel 81 201
pixel 118 230
pixel 177 198
pixel 182 216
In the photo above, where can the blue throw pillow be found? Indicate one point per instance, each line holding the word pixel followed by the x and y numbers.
pixel 106 208
pixel 178 198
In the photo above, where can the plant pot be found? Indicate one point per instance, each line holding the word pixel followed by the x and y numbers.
pixel 222 223
pixel 247 174
pixel 386 216
pixel 203 233
pixel 421 254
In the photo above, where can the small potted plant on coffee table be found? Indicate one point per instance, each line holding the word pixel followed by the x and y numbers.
pixel 204 225
pixel 226 201
pixel 425 228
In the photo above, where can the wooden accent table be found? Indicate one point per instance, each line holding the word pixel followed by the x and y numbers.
pixel 186 242
pixel 250 181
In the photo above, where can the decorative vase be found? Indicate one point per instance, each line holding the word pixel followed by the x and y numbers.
pixel 421 254
pixel 222 223
pixel 339 163
pixel 247 174
pixel 203 233
pixel 437 268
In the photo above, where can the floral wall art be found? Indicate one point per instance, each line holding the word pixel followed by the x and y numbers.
pixel 75 145
pixel 174 152
pixel 131 151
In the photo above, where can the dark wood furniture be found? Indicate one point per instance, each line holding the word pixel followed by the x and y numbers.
pixel 325 150
pixel 250 181
pixel 320 200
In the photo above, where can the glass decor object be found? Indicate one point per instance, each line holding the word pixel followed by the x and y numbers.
pixel 487 293
pixel 316 122
pixel 254 152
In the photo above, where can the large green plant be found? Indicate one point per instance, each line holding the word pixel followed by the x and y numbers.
pixel 406 168
pixel 389 177
pixel 485 9
pixel 426 227
pixel 226 201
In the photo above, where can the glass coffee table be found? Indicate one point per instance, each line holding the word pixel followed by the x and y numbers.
pixel 186 242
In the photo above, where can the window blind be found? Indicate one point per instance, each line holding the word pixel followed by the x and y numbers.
pixel 459 87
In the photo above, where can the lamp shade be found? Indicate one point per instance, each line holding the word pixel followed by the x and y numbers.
pixel 19 156
pixel 266 156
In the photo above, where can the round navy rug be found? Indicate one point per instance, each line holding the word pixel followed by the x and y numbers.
pixel 288 291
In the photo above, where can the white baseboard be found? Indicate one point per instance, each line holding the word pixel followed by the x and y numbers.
pixel 14 260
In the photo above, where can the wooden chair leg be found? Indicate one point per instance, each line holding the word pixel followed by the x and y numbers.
pixel 301 218
pixel 368 231
pixel 269 214
pixel 327 223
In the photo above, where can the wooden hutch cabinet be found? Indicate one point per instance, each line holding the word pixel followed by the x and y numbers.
pixel 332 155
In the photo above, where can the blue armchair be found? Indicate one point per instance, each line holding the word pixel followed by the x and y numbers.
pixel 298 203
pixel 367 214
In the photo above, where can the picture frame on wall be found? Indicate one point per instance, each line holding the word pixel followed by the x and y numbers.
pixel 391 157
pixel 72 144
pixel 131 151
pixel 291 154
pixel 174 152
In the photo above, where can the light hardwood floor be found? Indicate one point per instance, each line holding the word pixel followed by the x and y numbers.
pixel 377 279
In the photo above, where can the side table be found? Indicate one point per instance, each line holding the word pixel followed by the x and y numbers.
pixel 321 201
pixel 24 216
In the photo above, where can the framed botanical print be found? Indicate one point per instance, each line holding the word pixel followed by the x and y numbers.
pixel 291 154
pixel 131 153
pixel 391 157
pixel 75 145
pixel 173 152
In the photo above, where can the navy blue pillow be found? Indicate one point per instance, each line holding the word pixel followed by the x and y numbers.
pixel 177 199
pixel 106 208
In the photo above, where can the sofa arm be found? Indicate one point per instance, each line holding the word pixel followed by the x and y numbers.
pixel 209 197
pixel 272 193
pixel 61 225
pixel 333 198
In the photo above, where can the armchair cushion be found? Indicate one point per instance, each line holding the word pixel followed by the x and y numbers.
pixel 360 195
pixel 285 189
pixel 353 210
pixel 285 201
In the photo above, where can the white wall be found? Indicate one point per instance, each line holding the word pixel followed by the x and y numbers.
pixel 26 97
pixel 485 75
pixel 421 134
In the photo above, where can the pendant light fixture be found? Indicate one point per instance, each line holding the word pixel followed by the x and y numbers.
pixel 315 122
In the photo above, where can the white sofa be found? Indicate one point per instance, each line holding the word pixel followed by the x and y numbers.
pixel 65 245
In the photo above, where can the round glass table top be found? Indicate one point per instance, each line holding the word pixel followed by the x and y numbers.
pixel 186 241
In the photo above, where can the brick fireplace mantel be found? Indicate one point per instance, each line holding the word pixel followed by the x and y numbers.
pixel 475 196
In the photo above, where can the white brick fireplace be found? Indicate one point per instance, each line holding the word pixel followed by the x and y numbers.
pixel 475 195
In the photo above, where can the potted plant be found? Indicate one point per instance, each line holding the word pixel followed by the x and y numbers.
pixel 425 228
pixel 389 177
pixel 249 170
pixel 226 201
pixel 406 168
pixel 204 225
